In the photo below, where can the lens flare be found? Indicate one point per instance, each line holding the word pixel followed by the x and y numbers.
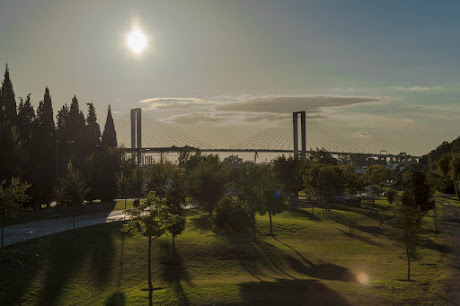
pixel 362 278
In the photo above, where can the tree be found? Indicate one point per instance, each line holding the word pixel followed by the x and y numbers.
pixel 274 203
pixel 45 174
pixel 10 156
pixel 391 196
pixel 354 182
pixel 109 136
pixel 158 176
pixel 207 183
pixel 94 131
pixel 377 174
pixel 124 184
pixel 420 191
pixel 323 157
pixel 72 189
pixel 252 188
pixel 148 220
pixel 26 121
pixel 8 114
pixel 331 182
pixel 289 173
pixel 407 227
pixel 175 225
pixel 77 133
pixel 11 195
pixel 232 215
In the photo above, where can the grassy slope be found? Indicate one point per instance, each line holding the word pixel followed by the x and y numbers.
pixel 309 261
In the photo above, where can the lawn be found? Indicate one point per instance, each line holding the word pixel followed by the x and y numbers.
pixel 311 260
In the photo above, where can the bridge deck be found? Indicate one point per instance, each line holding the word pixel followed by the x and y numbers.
pixel 179 149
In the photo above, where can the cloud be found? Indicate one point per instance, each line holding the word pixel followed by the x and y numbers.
pixel 170 103
pixel 361 134
pixel 225 118
pixel 288 104
pixel 417 88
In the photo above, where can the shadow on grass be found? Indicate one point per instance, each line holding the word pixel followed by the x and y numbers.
pixel 306 214
pixel 116 299
pixel 322 270
pixel 69 253
pixel 202 223
pixel 22 263
pixel 360 238
pixel 173 271
pixel 289 292
pixel 432 245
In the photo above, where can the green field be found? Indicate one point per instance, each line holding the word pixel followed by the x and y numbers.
pixel 312 260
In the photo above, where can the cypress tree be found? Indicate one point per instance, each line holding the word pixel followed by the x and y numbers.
pixel 8 102
pixel 109 137
pixel 44 143
pixel 62 123
pixel 76 125
pixel 26 121
pixel 94 131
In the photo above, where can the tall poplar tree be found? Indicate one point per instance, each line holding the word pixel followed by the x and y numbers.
pixel 93 129
pixel 8 112
pixel 26 121
pixel 44 142
pixel 109 137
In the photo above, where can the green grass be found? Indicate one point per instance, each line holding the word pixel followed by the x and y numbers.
pixel 311 260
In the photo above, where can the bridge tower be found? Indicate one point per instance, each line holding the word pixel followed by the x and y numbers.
pixel 303 134
pixel 136 132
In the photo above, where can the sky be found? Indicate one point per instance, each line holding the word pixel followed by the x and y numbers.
pixel 383 74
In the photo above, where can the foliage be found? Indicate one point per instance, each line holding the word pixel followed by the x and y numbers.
pixel 407 228
pixel 419 192
pixel 11 195
pixel 109 136
pixel 288 172
pixel 207 183
pixel 8 115
pixel 72 189
pixel 150 220
pixel 232 215
pixel 391 196
pixel 377 174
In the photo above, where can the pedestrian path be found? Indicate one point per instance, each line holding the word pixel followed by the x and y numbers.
pixel 26 231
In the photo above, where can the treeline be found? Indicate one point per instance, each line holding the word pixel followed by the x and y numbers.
pixel 443 166
pixel 37 148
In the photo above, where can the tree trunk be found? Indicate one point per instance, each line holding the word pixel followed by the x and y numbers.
pixel 173 250
pixel 254 227
pixel 149 266
pixel 293 198
pixel 408 269
pixel 271 224
pixel 3 230
pixel 408 264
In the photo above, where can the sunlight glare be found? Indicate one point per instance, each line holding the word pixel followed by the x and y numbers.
pixel 137 41
pixel 362 278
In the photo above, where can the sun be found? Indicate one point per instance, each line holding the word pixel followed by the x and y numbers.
pixel 137 41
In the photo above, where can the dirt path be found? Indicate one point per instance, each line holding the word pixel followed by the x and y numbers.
pixel 451 224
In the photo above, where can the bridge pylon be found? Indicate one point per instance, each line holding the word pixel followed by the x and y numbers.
pixel 136 132
pixel 303 134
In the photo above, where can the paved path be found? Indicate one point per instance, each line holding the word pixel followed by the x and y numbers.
pixel 26 231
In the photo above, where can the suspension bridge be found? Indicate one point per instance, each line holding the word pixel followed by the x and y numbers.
pixel 145 133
